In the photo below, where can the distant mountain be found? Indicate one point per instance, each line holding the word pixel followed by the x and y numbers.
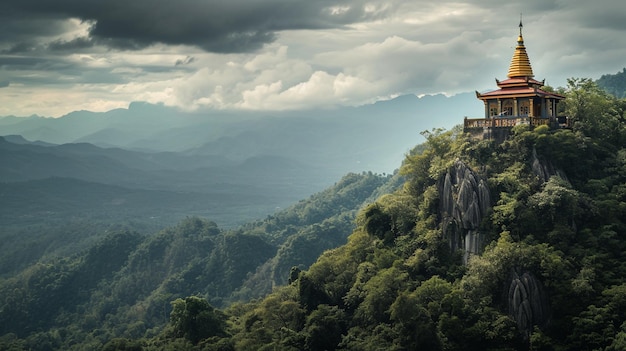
pixel 54 201
pixel 614 84
pixel 350 139
pixel 373 137
pixel 18 139
pixel 228 192
pixel 107 137
pixel 260 162
pixel 81 161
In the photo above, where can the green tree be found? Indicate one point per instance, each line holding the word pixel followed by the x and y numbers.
pixel 324 328
pixel 195 319
pixel 557 202
pixel 379 293
pixel 121 344
pixel 10 342
pixel 424 168
pixel 593 110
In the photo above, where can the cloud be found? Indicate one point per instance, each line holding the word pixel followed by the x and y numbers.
pixel 64 55
pixel 213 25
pixel 187 60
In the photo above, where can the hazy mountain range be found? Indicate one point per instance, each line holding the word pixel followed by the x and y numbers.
pixel 244 164
pixel 392 125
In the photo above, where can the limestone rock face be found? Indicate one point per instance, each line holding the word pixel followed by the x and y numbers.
pixel 528 304
pixel 465 200
pixel 544 169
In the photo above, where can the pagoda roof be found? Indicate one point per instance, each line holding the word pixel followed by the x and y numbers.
pixel 520 81
pixel 520 63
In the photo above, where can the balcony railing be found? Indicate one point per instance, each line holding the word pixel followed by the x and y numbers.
pixel 505 122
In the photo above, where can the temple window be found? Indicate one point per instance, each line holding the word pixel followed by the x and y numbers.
pixel 493 109
pixel 507 107
pixel 524 108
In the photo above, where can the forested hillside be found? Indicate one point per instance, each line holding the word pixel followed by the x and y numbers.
pixel 56 296
pixel 513 246
pixel 486 246
pixel 614 84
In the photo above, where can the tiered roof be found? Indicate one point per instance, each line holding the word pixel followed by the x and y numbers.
pixel 520 63
pixel 520 82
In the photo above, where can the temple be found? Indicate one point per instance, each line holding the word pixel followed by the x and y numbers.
pixel 520 99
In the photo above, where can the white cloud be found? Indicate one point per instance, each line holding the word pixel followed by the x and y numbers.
pixel 422 48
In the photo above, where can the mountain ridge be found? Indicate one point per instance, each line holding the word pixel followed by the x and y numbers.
pixel 157 128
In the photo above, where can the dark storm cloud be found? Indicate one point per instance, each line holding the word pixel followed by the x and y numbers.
pixel 71 45
pixel 603 19
pixel 28 70
pixel 20 63
pixel 186 61
pixel 213 25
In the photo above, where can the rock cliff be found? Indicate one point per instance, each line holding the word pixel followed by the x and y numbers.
pixel 465 200
pixel 528 304
pixel 544 169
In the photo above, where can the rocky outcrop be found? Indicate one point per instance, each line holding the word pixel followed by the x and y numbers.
pixel 465 200
pixel 528 303
pixel 544 169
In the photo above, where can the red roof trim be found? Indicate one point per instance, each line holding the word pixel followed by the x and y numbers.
pixel 521 91
pixel 519 80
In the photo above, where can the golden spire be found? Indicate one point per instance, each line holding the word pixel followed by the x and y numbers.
pixel 520 64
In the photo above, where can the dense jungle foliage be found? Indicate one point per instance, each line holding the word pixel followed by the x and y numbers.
pixel 123 285
pixel 550 274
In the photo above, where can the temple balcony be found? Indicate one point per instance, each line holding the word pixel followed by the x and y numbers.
pixel 505 122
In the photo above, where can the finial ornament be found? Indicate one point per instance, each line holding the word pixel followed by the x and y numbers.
pixel 520 38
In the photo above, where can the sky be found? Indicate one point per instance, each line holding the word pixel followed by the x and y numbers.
pixel 67 55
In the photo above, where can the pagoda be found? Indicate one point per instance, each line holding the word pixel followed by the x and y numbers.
pixel 520 99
